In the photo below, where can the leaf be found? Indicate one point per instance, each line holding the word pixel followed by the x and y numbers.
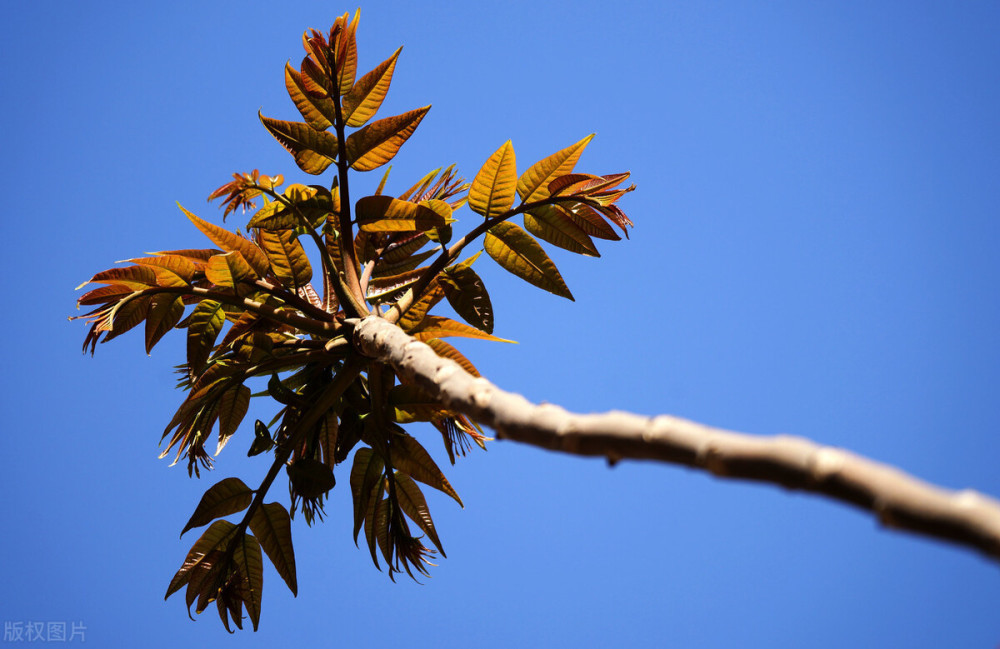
pixel 388 214
pixel 347 54
pixel 413 459
pixel 182 267
pixel 413 504
pixel 310 478
pixel 415 314
pixel 222 499
pixel 111 293
pixel 311 203
pixel 165 311
pixel 127 314
pixel 366 472
pixel 288 258
pixel 517 252
pixel 204 326
pixel 135 277
pixel 233 406
pixel 435 326
pixel 560 230
pixel 533 183
pixel 376 144
pixel 217 535
pixel 492 190
pixel 273 528
pixel 319 112
pixel 229 270
pixel 442 233
pixel 379 287
pixel 250 564
pixel 231 242
pixel 467 294
pixel 365 98
pixel 412 403
pixel 313 150
pixel 587 219
pixel 444 350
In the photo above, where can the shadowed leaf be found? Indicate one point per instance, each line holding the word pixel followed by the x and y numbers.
pixel 366 474
pixel 216 536
pixel 273 529
pixel 413 504
pixel 560 230
pixel 467 294
pixel 388 214
pixel 250 564
pixel 228 270
pixel 413 459
pixel 222 499
pixel 233 406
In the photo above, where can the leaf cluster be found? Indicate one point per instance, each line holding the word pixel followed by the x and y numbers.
pixel 257 307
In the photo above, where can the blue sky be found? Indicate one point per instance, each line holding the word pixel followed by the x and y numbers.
pixel 815 253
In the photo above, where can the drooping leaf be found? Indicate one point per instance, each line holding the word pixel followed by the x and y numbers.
pixel 247 557
pixel 216 536
pixel 467 294
pixel 313 150
pixel 203 328
pixel 222 499
pixel 588 220
pixel 319 112
pixel 366 473
pixel 533 184
pixel 435 326
pixel 413 504
pixel 231 242
pixel 560 230
pixel 376 144
pixel 165 311
pixel 411 403
pixel 365 98
pixel 233 406
pixel 127 314
pixel 388 214
pixel 517 252
pixel 310 478
pixel 492 190
pixel 273 528
pixel 445 350
pixel 229 270
pixel 413 459
pixel 288 258
pixel 105 294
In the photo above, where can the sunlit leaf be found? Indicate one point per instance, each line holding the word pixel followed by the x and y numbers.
pixel 182 267
pixel 560 230
pixel 204 326
pixel 415 314
pixel 442 233
pixel 365 98
pixel 222 499
pixel 135 277
pixel 313 150
pixel 413 459
pixel 533 184
pixel 165 311
pixel 413 504
pixel 309 206
pixel 288 258
pixel 319 112
pixel 376 144
pixel 434 326
pixel 388 214
pixel 347 54
pixel 445 350
pixel 492 190
pixel 517 252
pixel 233 406
pixel 273 529
pixel 380 287
pixel 231 242
pixel 229 270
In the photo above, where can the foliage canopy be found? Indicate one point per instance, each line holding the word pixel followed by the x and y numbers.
pixel 261 310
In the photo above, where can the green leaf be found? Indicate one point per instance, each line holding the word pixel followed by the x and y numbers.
pixel 233 406
pixel 517 252
pixel 313 150
pixel 165 311
pixel 413 504
pixel 413 459
pixel 231 242
pixel 288 258
pixel 366 97
pixel 229 270
pixel 388 214
pixel 319 112
pixel 376 144
pixel 467 294
pixel 222 499
pixel 273 528
pixel 492 190
pixel 533 185
pixel 204 326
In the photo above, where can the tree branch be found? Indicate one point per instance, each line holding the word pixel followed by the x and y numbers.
pixel 897 499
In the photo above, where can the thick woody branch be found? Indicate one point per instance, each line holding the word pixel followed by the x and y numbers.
pixel 897 499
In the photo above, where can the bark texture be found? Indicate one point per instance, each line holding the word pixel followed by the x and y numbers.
pixel 897 499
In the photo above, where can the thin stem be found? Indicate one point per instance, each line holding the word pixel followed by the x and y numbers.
pixel 355 297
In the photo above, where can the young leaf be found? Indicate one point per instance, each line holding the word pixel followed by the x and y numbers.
pixel 467 294
pixel 288 258
pixel 273 529
pixel 231 242
pixel 388 214
pixel 222 499
pixel 135 277
pixel 365 98
pixel 413 504
pixel 560 230
pixel 250 566
pixel 413 459
pixel 445 350
pixel 533 184
pixel 319 112
pixel 366 473
pixel 203 328
pixel 347 54
pixel 435 326
pixel 517 252
pixel 233 406
pixel 376 144
pixel 229 270
pixel 313 150
pixel 165 311
pixel 216 536
pixel 183 267
pixel 492 190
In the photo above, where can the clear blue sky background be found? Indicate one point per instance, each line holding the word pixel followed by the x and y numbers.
pixel 815 252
